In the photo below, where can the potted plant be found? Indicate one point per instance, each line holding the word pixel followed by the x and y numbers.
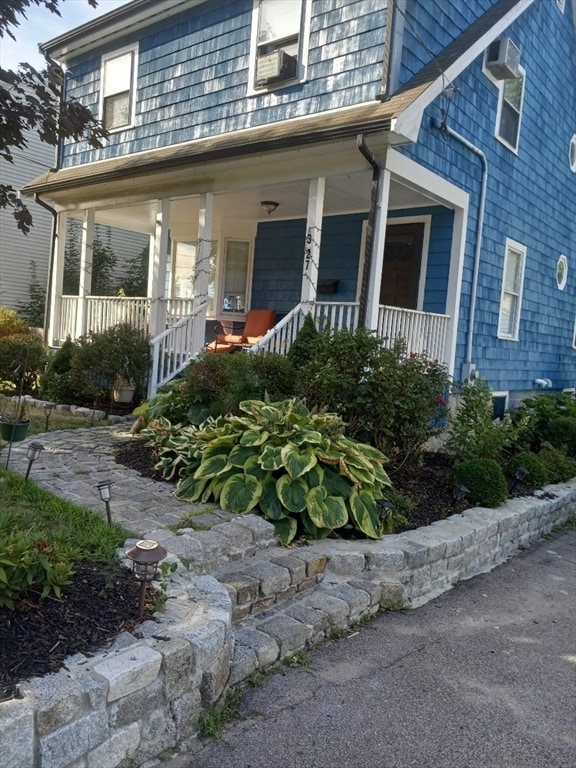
pixel 14 419
pixel 123 389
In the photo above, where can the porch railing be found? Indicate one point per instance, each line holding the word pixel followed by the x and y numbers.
pixel 173 349
pixel 103 312
pixel 425 332
pixel 176 309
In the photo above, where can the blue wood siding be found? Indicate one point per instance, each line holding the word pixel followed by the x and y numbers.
pixel 193 74
pixel 531 198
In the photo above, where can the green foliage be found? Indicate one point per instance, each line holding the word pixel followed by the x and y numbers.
pixel 388 399
pixel 135 280
pixel 305 344
pixel 11 324
pixel 212 722
pixel 558 466
pixel 561 433
pixel 33 309
pixel 59 384
pixel 27 559
pixel 22 359
pixel 103 261
pixel 484 479
pixel 473 433
pixel 296 466
pixel 537 472
pixel 539 413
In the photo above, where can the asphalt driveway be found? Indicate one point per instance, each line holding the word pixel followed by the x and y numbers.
pixel 482 677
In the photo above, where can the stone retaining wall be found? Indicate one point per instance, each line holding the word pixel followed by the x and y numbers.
pixel 145 694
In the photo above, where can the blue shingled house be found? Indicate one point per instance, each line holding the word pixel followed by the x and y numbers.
pixel 408 165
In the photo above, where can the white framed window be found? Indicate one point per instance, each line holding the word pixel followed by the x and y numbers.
pixel 562 272
pixel 118 88
pixel 499 404
pixel 279 46
pixel 572 154
pixel 511 296
pixel 236 277
pixel 509 115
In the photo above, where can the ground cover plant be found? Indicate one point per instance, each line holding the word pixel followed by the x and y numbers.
pixel 61 588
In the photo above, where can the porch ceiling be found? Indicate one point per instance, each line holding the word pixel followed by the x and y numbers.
pixel 348 193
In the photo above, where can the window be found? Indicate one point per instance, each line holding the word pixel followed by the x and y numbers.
pixel 118 86
pixel 510 110
pixel 280 42
pixel 235 280
pixel 511 298
pixel 562 272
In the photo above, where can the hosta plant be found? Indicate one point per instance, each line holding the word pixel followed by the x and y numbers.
pixel 297 467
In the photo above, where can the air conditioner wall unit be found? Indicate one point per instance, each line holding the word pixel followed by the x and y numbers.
pixel 503 59
pixel 275 67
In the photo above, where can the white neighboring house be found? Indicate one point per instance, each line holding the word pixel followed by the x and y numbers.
pixel 18 251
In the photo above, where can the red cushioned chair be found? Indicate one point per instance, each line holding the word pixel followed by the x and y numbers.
pixel 258 323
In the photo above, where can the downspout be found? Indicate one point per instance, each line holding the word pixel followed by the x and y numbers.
pixel 469 372
pixel 54 239
pixel 376 172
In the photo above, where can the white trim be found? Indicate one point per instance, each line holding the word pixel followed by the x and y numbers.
pixel 501 84
pixel 133 49
pixel 561 5
pixel 562 259
pixel 408 123
pixel 574 335
pixel 512 245
pixel 572 154
pixel 221 277
pixel 505 393
pixel 377 255
pixel 303 49
pixel 425 219
pixel 361 259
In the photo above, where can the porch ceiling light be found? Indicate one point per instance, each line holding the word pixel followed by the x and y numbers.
pixel 269 206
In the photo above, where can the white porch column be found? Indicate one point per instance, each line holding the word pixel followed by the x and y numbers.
pixel 85 284
pixel 377 256
pixel 312 244
pixel 203 248
pixel 54 336
pixel 157 267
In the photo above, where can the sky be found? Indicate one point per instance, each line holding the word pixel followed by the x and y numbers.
pixel 41 26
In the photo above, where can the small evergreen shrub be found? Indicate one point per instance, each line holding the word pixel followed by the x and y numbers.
pixel 537 472
pixel 561 433
pixel 538 413
pixel 305 344
pixel 484 479
pixel 22 354
pixel 558 466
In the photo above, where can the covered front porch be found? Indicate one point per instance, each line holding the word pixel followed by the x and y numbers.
pixel 350 249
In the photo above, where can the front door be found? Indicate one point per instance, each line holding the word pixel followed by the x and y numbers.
pixel 402 263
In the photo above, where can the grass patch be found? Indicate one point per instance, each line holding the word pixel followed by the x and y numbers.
pixel 59 420
pixel 211 723
pixel 58 520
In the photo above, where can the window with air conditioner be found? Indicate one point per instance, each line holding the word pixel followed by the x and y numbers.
pixel 118 88
pixel 511 295
pixel 280 42
pixel 510 110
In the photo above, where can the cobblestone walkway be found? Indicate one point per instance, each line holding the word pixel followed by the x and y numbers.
pixel 73 463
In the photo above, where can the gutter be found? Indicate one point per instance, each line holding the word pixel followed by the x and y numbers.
pixel 376 173
pixel 54 240
pixel 469 372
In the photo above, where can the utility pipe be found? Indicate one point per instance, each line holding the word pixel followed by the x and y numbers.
pixel 447 131
pixel 376 173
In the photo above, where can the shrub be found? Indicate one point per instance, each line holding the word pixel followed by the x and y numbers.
pixel 561 433
pixel 559 466
pixel 59 384
pixel 22 360
pixel 11 324
pixel 538 413
pixel 297 466
pixel 305 344
pixel 484 480
pixel 473 433
pixel 537 473
pixel 388 399
pixel 29 560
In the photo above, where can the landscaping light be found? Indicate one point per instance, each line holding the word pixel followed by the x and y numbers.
pixel 106 495
pixel 48 408
pixel 145 556
pixel 459 491
pixel 519 475
pixel 34 450
pixel 384 508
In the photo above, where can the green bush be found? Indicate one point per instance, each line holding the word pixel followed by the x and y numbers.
pixel 559 466
pixel 28 560
pixel 561 433
pixel 387 398
pixel 537 471
pixel 484 480
pixel 297 466
pixel 538 413
pixel 305 344
pixel 59 384
pixel 473 432
pixel 22 360
pixel 11 324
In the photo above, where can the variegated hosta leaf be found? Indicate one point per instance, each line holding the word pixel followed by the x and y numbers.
pixel 335 484
pixel 315 477
pixel 296 461
pixel 269 502
pixel 240 454
pixel 211 467
pixel 217 483
pixel 285 529
pixel 363 512
pixel 241 493
pixel 326 511
pixel 190 489
pixel 356 476
pixel 292 493
pixel 254 437
pixel 306 436
pixel 271 458
pixel 252 467
pixel 312 530
pixel 327 454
